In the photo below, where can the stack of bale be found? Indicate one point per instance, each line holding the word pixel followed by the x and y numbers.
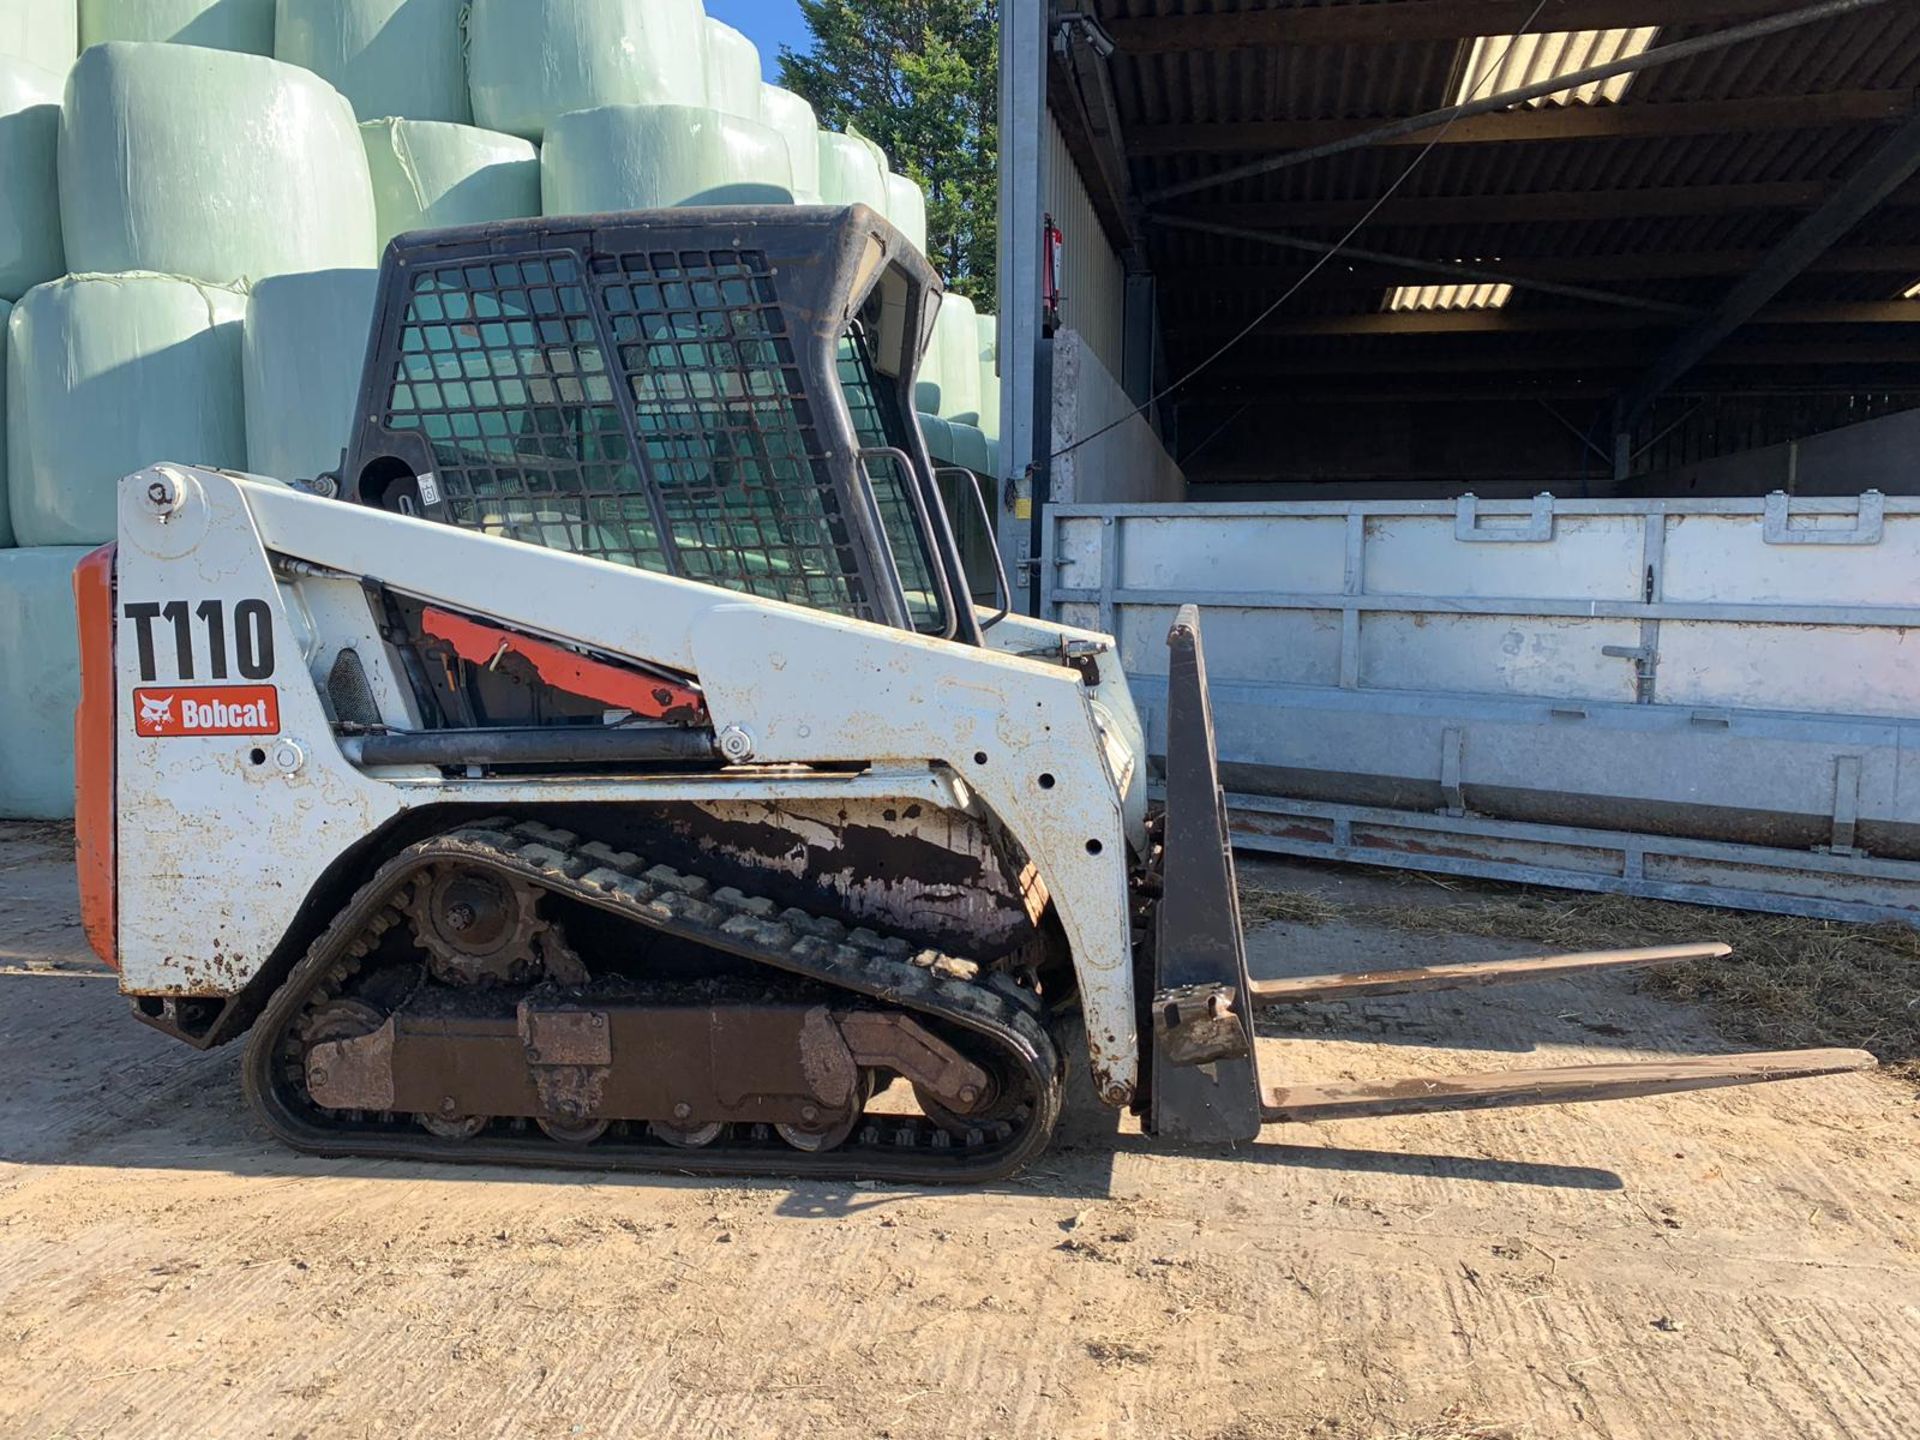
pixel 194 195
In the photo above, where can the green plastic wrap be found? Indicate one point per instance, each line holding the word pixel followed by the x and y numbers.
pixel 849 173
pixel 44 33
pixel 427 173
pixel 30 248
pixel 204 163
pixel 733 72
pixel 105 374
pixel 907 209
pixel 40 658
pixel 245 25
pixel 953 442
pixel 528 63
pixel 793 117
pixel 305 342
pixel 989 375
pixel 643 157
pixel 6 519
pixel 404 58
pixel 950 370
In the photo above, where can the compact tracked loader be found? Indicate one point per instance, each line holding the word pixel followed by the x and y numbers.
pixel 612 766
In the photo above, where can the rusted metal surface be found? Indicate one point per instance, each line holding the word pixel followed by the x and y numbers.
pixel 884 1040
pixel 354 1074
pixel 565 1037
pixel 631 1059
pixel 1562 1085
pixel 1303 989
pixel 1198 1025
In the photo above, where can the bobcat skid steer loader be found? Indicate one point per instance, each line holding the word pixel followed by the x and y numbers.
pixel 611 766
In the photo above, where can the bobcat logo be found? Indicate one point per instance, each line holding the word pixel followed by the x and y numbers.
pixel 156 710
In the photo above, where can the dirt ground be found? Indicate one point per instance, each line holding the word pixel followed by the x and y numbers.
pixel 1737 1264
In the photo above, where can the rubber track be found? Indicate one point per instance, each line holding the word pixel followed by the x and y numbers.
pixel 887 969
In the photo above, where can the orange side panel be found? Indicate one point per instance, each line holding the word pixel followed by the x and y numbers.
pixel 651 696
pixel 93 744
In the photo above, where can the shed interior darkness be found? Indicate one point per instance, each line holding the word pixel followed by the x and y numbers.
pixel 1679 193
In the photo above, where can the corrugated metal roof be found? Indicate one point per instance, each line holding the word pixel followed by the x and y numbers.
pixel 1681 202
pixel 1498 63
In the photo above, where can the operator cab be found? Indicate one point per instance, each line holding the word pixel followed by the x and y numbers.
pixel 723 395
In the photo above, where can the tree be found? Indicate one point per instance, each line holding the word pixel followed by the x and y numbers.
pixel 921 79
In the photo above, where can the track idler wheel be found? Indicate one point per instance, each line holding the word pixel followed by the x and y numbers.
pixel 453 1127
pixel 686 1137
pixel 830 1132
pixel 573 1132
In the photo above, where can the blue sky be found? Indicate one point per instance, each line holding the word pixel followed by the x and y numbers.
pixel 768 23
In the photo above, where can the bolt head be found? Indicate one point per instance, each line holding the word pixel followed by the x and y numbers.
pixel 809 1114
pixel 449 1105
pixel 166 493
pixel 968 1094
pixel 460 917
pixel 319 1077
pixel 682 1110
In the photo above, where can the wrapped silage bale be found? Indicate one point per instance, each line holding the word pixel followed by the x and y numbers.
pixel 989 326
pixel 405 58
pixel 733 72
pixel 528 63
pixel 950 370
pixel 198 162
pixel 105 374
pixel 44 33
pixel 245 25
pixel 6 519
pixel 305 343
pixel 907 209
pixel 427 173
pixel 793 117
pixel 953 442
pixel 849 173
pixel 30 248
pixel 643 157
pixel 40 660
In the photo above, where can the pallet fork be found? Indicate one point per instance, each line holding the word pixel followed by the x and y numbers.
pixel 1205 1081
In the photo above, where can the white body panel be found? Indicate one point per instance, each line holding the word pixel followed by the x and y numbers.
pixel 222 838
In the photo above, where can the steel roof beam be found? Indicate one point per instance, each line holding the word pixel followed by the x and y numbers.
pixel 1395 22
pixel 1890 167
pixel 1607 354
pixel 1625 65
pixel 1244 278
pixel 1667 201
pixel 1452 270
pixel 1544 322
pixel 1625 120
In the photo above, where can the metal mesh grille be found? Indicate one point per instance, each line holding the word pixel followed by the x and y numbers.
pixel 502 369
pixel 721 413
pixel 878 426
